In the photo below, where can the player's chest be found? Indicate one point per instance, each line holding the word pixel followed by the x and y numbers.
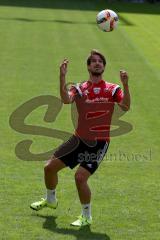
pixel 97 93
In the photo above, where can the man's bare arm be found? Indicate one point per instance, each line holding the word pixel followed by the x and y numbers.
pixel 65 97
pixel 125 103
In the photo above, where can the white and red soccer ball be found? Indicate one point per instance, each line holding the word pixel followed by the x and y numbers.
pixel 107 20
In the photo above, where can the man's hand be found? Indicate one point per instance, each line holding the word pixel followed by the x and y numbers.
pixel 124 77
pixel 125 103
pixel 63 67
pixel 65 97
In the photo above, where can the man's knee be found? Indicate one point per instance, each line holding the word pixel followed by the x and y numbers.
pixel 48 167
pixel 80 178
pixel 53 165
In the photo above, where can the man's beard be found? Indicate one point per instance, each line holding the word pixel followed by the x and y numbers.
pixel 96 74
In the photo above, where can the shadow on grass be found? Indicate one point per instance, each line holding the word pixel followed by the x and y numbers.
pixel 84 233
pixel 123 20
pixel 86 5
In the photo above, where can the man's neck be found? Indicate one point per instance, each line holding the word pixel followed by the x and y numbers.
pixel 95 79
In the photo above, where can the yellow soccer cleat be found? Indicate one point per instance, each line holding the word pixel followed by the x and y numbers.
pixel 42 204
pixel 82 221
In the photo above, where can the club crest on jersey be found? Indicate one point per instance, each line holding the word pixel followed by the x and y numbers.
pixel 96 90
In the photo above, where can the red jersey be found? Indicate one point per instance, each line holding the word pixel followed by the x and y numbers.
pixel 95 105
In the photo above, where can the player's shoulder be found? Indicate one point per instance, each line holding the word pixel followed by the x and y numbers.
pixel 79 87
pixel 80 84
pixel 83 84
pixel 112 87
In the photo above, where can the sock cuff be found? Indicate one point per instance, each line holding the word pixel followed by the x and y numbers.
pixel 51 190
pixel 86 205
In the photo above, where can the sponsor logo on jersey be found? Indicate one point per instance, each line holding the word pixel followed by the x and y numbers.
pixel 100 99
pixel 96 90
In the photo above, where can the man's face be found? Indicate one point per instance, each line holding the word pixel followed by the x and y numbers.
pixel 96 66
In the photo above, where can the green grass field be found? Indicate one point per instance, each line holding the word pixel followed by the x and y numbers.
pixel 34 38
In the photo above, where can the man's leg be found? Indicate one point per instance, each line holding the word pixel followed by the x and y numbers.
pixel 51 180
pixel 81 178
pixel 52 167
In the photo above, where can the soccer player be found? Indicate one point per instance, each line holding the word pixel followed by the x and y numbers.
pixel 95 100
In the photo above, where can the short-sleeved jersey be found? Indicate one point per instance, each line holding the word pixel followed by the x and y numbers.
pixel 95 105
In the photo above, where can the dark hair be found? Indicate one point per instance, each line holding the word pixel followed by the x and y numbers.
pixel 95 52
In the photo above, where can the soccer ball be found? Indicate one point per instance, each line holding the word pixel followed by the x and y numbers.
pixel 107 20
